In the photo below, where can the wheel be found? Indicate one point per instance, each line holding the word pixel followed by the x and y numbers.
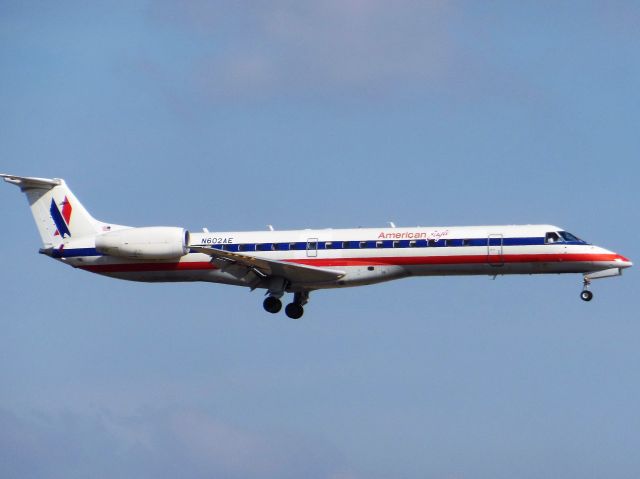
pixel 586 295
pixel 294 310
pixel 272 304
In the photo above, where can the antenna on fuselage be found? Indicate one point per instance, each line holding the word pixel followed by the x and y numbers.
pixel 270 227
pixel 392 224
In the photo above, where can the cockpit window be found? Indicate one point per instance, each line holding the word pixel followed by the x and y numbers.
pixel 551 238
pixel 568 237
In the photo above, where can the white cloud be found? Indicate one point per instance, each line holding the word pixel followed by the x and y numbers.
pixel 155 444
pixel 254 49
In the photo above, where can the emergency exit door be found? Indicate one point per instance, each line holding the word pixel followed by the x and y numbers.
pixel 312 247
pixel 495 244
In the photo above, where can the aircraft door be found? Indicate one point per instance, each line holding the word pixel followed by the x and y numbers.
pixel 312 247
pixel 494 250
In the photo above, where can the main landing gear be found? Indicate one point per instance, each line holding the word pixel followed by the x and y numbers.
pixel 272 304
pixel 586 295
pixel 294 310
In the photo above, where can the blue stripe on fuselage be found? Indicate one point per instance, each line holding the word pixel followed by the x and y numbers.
pixel 73 252
pixel 338 245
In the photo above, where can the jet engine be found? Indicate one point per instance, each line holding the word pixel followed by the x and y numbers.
pixel 155 242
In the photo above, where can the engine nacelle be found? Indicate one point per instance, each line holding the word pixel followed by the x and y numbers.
pixel 156 242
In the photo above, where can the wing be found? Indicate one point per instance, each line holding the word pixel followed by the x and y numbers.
pixel 294 273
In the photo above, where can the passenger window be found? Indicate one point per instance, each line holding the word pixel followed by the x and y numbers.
pixel 328 245
pixel 396 244
pixel 363 244
pixel 345 245
pixel 551 238
pixel 379 244
pixel 412 244
pixel 432 242
pixel 466 242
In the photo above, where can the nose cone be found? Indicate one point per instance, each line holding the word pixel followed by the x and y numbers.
pixel 622 262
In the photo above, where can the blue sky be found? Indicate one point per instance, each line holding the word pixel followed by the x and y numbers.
pixel 235 115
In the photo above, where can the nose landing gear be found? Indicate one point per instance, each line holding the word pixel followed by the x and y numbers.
pixel 586 295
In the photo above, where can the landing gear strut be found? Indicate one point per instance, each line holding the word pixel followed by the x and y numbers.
pixel 295 309
pixel 586 295
pixel 272 303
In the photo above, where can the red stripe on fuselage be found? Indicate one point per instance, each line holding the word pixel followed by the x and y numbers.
pixel 378 261
pixel 141 267
pixel 459 259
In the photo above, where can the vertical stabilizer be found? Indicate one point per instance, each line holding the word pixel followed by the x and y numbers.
pixel 57 212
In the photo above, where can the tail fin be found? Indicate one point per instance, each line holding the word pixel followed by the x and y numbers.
pixel 57 212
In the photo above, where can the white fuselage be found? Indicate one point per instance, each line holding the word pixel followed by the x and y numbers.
pixel 366 255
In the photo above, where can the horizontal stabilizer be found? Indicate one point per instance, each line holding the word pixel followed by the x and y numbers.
pixel 26 182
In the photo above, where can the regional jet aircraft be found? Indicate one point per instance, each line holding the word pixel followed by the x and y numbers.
pixel 302 261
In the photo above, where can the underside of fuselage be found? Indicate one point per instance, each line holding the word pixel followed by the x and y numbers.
pixel 361 275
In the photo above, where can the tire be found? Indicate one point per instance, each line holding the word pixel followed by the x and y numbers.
pixel 294 310
pixel 586 295
pixel 272 305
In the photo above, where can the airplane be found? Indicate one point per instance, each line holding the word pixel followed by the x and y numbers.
pixel 301 261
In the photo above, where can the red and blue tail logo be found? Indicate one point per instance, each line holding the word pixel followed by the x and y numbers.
pixel 61 219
